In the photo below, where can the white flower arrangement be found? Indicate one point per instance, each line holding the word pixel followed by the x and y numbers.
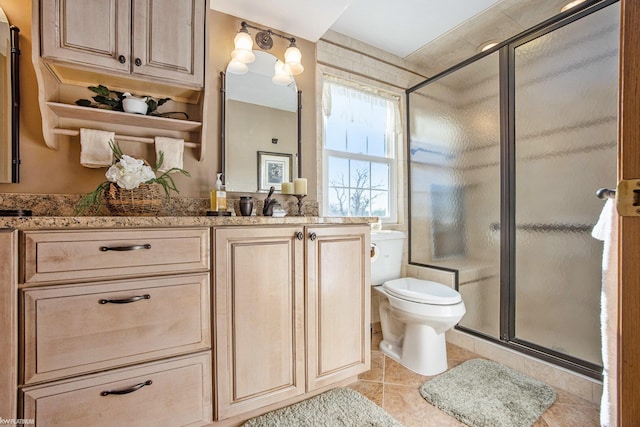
pixel 129 173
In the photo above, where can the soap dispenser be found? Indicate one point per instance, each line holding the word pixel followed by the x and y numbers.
pixel 219 196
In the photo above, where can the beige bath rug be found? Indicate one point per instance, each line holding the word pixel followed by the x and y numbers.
pixel 340 407
pixel 482 393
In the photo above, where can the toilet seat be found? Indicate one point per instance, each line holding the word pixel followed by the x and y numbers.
pixel 422 291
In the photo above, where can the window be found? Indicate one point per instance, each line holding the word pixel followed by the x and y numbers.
pixel 360 133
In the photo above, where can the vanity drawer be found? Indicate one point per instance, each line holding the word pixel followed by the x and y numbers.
pixel 171 393
pixel 76 329
pixel 73 255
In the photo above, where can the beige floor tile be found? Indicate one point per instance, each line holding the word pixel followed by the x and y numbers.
pixel 377 368
pixel 371 390
pixel 563 414
pixel 395 373
pixel 396 389
pixel 572 399
pixel 376 338
pixel 407 406
pixel 458 353
pixel 540 423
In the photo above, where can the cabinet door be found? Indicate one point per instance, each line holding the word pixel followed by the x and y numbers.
pixel 338 303
pixel 92 32
pixel 259 317
pixel 168 40
pixel 8 322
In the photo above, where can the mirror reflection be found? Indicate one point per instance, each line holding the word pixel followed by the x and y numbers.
pixel 261 128
pixel 5 99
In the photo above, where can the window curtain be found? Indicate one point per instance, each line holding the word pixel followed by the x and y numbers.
pixel 357 104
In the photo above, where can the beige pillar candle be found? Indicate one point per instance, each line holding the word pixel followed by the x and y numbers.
pixel 300 186
pixel 287 188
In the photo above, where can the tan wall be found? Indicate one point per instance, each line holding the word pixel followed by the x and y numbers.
pixel 44 170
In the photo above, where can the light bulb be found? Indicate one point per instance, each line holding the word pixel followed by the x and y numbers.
pixel 281 77
pixel 243 40
pixel 293 56
pixel 237 67
pixel 243 55
pixel 243 45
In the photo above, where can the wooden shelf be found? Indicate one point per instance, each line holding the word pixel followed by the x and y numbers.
pixel 122 118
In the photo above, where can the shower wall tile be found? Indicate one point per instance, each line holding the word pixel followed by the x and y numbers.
pixel 435 275
pixel 460 339
pixel 497 353
pixel 412 271
pixel 558 377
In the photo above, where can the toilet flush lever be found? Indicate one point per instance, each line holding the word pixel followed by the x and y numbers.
pixel 374 248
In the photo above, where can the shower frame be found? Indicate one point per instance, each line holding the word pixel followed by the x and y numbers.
pixel 506 51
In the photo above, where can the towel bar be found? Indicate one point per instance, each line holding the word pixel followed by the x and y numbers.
pixel 75 132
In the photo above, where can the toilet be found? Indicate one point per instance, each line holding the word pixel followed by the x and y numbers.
pixel 415 314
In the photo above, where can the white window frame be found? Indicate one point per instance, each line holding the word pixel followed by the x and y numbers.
pixel 391 158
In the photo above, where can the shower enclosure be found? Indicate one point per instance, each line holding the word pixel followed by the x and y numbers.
pixel 506 152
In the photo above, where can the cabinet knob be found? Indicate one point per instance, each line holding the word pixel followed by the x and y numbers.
pixel 299 235
pixel 312 236
pixel 122 59
pixel 138 62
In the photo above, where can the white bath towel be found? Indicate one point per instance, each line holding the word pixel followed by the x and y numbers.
pixel 95 151
pixel 173 151
pixel 606 229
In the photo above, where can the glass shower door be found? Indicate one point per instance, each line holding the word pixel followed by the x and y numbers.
pixel 565 103
pixel 455 185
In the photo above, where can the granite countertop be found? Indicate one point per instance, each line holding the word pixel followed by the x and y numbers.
pixel 79 222
pixel 55 211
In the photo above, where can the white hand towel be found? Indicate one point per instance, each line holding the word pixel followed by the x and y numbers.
pixel 95 151
pixel 173 151
pixel 606 229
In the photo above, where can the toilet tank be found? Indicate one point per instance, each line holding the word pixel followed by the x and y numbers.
pixel 386 259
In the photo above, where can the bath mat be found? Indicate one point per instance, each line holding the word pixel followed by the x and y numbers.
pixel 340 407
pixel 482 393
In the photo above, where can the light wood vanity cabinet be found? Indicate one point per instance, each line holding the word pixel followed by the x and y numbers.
pixel 259 317
pixel 291 312
pixel 338 304
pixel 162 39
pixel 123 311
pixel 122 327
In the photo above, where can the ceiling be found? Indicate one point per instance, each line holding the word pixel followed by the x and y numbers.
pixel 427 33
pixel 414 23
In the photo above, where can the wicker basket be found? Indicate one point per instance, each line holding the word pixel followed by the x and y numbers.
pixel 146 200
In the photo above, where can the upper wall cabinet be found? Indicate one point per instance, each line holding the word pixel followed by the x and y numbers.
pixel 150 48
pixel 161 39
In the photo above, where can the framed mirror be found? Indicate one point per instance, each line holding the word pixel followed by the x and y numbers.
pixel 9 101
pixel 260 137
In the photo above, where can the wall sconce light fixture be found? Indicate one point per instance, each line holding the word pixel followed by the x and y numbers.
pixel 242 54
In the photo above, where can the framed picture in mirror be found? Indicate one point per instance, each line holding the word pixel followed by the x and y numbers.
pixel 273 170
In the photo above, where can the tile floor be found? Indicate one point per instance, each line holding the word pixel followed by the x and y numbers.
pixel 395 389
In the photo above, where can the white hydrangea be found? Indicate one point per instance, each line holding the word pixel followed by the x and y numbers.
pixel 129 172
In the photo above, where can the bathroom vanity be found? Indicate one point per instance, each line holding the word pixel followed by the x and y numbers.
pixel 179 320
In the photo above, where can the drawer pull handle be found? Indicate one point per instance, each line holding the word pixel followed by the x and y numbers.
pixel 124 248
pixel 127 390
pixel 126 300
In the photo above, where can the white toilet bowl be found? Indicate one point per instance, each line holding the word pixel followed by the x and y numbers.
pixel 415 314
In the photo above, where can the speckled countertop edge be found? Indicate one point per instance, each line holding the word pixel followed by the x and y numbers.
pixel 43 222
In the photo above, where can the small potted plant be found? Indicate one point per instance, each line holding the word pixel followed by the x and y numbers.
pixel 107 99
pixel 132 188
